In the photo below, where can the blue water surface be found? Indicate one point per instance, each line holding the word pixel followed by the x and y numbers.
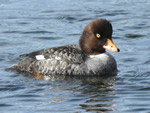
pixel 29 25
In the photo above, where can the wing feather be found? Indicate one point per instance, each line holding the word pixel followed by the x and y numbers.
pixel 69 53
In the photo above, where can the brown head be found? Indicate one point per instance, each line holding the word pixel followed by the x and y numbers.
pixel 96 37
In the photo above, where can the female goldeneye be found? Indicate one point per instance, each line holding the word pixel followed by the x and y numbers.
pixel 88 58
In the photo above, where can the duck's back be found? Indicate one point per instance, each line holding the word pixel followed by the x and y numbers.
pixel 66 60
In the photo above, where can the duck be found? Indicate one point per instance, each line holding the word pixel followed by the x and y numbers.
pixel 88 58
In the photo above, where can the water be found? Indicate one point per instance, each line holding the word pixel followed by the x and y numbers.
pixel 28 25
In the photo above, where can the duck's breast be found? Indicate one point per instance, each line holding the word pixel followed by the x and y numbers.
pixel 101 64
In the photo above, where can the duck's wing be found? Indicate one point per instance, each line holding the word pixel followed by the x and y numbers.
pixel 69 53
pixel 59 60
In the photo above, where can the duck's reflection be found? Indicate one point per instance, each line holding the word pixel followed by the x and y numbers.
pixel 97 92
pixel 100 97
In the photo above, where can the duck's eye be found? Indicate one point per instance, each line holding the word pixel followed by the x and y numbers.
pixel 98 35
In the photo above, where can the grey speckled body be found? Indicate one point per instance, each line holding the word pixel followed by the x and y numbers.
pixel 66 60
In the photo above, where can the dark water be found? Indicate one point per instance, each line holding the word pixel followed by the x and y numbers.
pixel 28 25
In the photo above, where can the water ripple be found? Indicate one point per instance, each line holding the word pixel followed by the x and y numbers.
pixel 27 32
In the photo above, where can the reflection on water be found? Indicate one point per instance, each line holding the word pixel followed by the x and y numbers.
pixel 98 92
pixel 101 97
pixel 30 25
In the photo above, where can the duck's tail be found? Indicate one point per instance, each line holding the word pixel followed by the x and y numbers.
pixel 13 67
